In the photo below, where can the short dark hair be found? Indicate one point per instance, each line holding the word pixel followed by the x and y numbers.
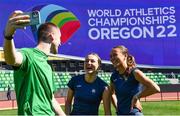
pixel 43 31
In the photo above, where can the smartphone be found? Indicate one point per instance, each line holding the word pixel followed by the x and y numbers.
pixel 34 18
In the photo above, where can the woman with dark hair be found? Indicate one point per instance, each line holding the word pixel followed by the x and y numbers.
pixel 88 90
pixel 128 83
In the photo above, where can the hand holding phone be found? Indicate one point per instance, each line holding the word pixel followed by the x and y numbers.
pixel 34 18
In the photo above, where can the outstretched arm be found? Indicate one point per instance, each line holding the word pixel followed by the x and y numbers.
pixel 15 21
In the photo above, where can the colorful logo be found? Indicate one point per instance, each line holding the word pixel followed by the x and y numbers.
pixel 60 16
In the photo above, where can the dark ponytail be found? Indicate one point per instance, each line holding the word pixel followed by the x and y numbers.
pixel 131 61
pixel 131 64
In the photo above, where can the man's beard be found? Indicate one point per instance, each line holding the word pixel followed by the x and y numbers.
pixel 54 49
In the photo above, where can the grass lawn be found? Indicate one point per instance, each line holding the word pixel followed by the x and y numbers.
pixel 149 108
pixel 161 108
